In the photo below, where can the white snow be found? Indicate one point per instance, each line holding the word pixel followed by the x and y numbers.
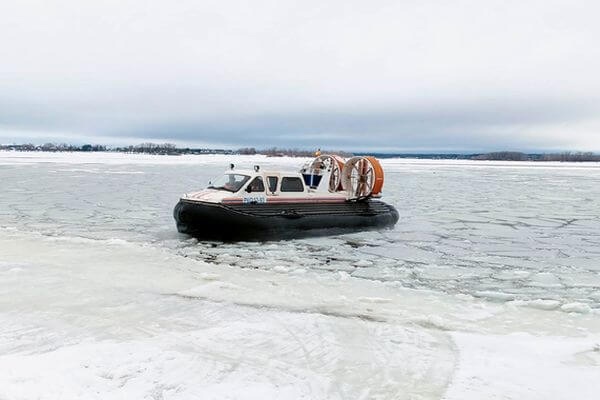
pixel 576 308
pixel 525 366
pixel 157 331
pixel 544 304
pixel 180 328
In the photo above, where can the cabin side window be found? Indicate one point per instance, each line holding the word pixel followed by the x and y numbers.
pixel 272 183
pixel 289 184
pixel 256 185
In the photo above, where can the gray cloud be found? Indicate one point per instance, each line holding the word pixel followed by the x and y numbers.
pixel 385 76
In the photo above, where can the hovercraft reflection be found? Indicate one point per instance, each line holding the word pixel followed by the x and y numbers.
pixel 328 196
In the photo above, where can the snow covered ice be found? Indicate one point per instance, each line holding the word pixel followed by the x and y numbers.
pixel 488 287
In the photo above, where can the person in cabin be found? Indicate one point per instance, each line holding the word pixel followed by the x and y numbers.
pixel 230 184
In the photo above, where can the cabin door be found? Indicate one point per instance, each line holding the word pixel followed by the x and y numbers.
pixel 272 182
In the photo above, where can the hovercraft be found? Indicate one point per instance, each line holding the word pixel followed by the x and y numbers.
pixel 327 196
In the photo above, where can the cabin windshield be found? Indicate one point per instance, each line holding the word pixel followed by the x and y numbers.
pixel 229 182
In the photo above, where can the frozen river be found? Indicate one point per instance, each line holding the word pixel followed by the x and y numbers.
pixel 488 287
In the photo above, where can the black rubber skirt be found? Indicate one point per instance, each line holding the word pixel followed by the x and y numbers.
pixel 258 222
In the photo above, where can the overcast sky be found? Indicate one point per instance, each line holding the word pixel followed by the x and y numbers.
pixel 419 75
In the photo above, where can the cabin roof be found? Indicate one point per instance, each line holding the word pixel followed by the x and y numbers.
pixel 261 172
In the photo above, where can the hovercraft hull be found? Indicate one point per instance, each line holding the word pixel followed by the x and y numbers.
pixel 255 222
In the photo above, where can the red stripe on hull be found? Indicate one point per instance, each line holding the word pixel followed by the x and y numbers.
pixel 289 201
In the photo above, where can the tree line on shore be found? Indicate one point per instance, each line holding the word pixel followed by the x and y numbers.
pixel 172 149
pixel 145 148
pixel 281 152
pixel 518 156
pixel 162 149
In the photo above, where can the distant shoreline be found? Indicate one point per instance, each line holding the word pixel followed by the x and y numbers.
pixel 172 150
